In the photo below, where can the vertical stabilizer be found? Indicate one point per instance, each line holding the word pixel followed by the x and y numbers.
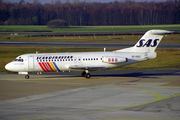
pixel 148 42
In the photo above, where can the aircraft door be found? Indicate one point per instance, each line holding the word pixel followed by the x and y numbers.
pixel 31 63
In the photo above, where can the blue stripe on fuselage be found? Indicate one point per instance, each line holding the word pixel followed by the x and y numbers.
pixel 56 66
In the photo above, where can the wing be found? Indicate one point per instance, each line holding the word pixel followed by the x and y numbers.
pixel 87 67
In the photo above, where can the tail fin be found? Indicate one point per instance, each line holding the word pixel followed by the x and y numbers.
pixel 148 42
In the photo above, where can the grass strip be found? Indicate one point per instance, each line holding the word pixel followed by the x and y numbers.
pixel 32 28
pixel 171 38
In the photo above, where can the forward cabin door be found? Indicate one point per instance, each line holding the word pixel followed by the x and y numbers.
pixel 31 63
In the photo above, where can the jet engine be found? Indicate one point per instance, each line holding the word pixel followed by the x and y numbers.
pixel 113 59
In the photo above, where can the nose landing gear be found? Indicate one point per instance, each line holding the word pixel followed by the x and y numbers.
pixel 27 76
pixel 24 73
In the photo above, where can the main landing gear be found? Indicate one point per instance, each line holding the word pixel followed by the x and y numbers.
pixel 86 74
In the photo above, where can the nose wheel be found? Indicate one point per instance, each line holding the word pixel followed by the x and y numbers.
pixel 27 76
pixel 86 74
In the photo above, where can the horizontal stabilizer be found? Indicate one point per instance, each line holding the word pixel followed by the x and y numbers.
pixel 161 32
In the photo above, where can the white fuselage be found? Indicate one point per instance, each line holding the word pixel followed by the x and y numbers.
pixel 53 62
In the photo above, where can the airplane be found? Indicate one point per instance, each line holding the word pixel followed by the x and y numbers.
pixel 143 50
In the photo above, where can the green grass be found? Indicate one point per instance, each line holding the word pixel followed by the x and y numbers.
pixel 172 38
pixel 89 39
pixel 165 58
pixel 90 28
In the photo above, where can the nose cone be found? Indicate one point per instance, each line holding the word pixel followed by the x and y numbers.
pixel 8 66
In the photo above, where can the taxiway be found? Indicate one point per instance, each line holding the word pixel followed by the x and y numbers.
pixel 117 95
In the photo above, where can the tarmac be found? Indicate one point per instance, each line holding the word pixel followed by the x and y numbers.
pixel 107 95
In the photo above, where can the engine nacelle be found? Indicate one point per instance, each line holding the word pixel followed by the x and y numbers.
pixel 113 59
pixel 151 55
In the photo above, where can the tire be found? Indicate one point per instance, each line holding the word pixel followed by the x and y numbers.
pixel 27 76
pixel 83 74
pixel 88 75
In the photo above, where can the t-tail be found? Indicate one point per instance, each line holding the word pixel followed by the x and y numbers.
pixel 148 42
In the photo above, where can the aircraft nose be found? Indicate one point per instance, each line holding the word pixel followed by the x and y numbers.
pixel 8 67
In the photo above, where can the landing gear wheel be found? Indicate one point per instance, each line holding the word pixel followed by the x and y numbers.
pixel 88 75
pixel 27 76
pixel 83 74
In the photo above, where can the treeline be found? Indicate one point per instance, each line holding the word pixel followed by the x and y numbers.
pixel 85 13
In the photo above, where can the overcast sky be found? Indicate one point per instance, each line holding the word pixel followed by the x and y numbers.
pixel 49 1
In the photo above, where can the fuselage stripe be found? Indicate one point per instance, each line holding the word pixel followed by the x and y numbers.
pixel 45 67
pixel 53 66
pixel 50 67
pixel 56 66
pixel 42 67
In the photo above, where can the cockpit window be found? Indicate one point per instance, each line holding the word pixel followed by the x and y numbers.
pixel 19 60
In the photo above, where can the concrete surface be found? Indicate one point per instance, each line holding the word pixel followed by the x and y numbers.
pixel 133 94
